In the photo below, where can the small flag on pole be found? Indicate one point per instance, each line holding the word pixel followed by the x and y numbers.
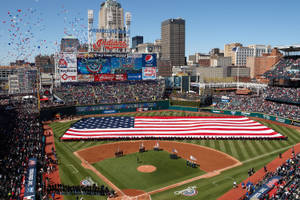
pixel 157 145
pixel 193 158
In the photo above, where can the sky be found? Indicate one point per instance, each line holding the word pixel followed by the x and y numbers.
pixel 32 27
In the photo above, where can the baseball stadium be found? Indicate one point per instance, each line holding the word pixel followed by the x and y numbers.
pixel 110 125
pixel 136 139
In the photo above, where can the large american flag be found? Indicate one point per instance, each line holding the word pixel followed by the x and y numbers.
pixel 168 127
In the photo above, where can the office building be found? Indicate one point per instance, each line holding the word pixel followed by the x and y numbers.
pixel 136 41
pixel 229 50
pixel 69 44
pixel 242 53
pixel 220 61
pixel 173 41
pixel 259 65
pixel 45 64
pixel 150 48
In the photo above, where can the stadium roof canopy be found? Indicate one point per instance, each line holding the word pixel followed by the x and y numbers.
pixel 289 48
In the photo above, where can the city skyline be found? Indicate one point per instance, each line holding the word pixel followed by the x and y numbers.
pixel 208 24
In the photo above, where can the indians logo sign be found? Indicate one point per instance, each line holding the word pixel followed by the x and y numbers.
pixel 88 181
pixel 190 191
pixel 109 44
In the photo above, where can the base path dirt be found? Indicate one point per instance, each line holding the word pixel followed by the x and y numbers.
pixel 208 159
pixel 133 192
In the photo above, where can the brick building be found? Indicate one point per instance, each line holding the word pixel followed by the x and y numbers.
pixel 259 65
pixel 164 68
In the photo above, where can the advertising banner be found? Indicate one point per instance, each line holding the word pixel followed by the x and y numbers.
pixel 134 77
pixel 149 60
pixel 67 61
pixel 120 77
pixel 177 82
pixel 296 123
pixel 109 65
pixel 30 180
pixel 149 73
pixel 110 77
pixel 109 111
pixel 104 77
pixel 169 82
pixel 85 78
pixel 265 188
pixel 68 75
pixel 96 65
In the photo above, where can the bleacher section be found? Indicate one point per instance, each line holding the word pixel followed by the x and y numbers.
pixel 277 101
pixel 287 68
pixel 110 92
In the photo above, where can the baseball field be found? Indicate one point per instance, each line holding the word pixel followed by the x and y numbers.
pixel 123 173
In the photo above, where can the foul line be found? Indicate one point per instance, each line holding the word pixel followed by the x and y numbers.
pixel 75 171
pixel 266 154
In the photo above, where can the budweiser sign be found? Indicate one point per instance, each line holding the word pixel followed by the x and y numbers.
pixel 109 44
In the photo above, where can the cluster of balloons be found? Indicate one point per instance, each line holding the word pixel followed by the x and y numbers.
pixel 22 30
pixel 74 24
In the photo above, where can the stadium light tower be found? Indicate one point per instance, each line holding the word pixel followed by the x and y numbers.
pixel 128 22
pixel 90 26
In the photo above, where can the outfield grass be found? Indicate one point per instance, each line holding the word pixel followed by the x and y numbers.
pixel 123 171
pixel 252 153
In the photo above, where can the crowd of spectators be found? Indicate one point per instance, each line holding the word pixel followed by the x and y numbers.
pixel 289 95
pixel 286 68
pixel 254 103
pixel 286 188
pixel 110 92
pixel 277 101
pixel 80 190
pixel 21 139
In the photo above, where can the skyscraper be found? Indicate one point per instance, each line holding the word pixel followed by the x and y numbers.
pixel 111 22
pixel 173 41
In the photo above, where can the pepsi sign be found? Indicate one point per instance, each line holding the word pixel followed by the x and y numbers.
pixel 149 60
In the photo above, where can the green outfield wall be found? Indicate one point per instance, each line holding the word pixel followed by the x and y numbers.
pixel 65 111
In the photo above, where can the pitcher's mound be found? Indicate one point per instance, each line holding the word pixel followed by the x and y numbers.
pixel 146 168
